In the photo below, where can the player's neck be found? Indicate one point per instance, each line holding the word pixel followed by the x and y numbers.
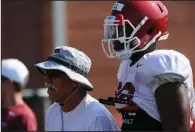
pixel 136 56
pixel 73 102
pixel 18 99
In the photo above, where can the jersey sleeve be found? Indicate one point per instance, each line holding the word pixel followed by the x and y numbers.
pixel 167 67
pixel 31 123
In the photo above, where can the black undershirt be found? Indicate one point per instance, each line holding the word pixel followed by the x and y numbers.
pixel 139 120
pixel 134 120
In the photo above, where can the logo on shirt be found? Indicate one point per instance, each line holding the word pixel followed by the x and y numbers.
pixel 12 113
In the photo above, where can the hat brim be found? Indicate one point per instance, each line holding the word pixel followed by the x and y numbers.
pixel 50 65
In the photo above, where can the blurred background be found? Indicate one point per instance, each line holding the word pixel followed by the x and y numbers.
pixel 30 30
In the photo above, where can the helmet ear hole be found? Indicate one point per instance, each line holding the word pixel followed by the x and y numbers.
pixel 149 31
pixel 160 8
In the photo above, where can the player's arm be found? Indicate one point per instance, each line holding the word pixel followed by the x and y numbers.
pixel 173 105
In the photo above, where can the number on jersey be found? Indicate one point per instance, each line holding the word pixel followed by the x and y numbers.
pixel 125 92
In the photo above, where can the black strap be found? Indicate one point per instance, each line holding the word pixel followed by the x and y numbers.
pixel 113 100
pixel 72 67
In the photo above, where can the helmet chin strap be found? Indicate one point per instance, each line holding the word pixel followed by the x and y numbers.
pixel 153 40
pixel 70 96
pixel 126 54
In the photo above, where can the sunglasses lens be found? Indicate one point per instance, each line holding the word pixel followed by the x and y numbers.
pixel 54 73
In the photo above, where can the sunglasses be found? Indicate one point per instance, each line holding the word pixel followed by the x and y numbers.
pixel 54 73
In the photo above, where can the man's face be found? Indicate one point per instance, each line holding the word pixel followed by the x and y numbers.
pixel 7 90
pixel 3 85
pixel 59 85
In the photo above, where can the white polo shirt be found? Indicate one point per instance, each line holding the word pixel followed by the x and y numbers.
pixel 89 115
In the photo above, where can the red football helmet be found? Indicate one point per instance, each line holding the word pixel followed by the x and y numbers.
pixel 136 25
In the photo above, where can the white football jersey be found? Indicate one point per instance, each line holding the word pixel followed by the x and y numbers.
pixel 151 71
